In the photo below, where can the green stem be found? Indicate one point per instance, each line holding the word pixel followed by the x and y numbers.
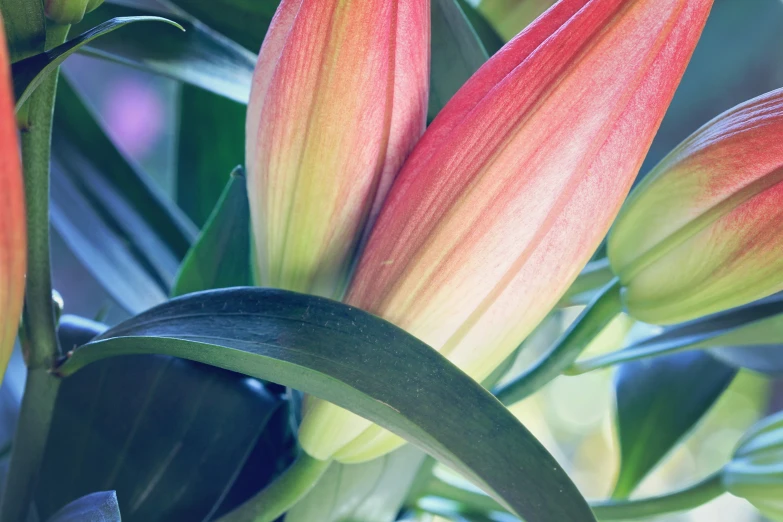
pixel 39 316
pixel 470 501
pixel 598 314
pixel 626 355
pixel 689 498
pixel 594 276
pixel 283 493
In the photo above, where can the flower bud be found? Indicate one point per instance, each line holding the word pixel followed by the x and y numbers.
pixel 755 473
pixel 512 188
pixel 339 98
pixel 702 232
pixel 13 246
pixel 69 12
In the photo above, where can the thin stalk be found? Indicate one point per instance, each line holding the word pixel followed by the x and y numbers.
pixel 683 500
pixel 39 316
pixel 595 275
pixel 598 314
pixel 282 494
pixel 624 356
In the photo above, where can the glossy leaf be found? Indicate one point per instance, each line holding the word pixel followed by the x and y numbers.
pixel 95 507
pixel 220 258
pixel 372 491
pixel 168 435
pixel 457 53
pixel 357 361
pixel 211 143
pixel 30 72
pixel 658 403
pixel 199 57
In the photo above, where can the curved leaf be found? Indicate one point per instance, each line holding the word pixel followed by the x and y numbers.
pixel 30 72
pixel 199 57
pixel 95 507
pixel 220 258
pixel 170 436
pixel 489 37
pixel 362 363
pixel 658 402
pixel 457 53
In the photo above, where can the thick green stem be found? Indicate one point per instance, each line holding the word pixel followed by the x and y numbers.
pixel 282 494
pixel 39 316
pixel 689 498
pixel 598 314
pixel 30 439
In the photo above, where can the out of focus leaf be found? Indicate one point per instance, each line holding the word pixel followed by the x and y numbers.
pixel 10 401
pixel 211 143
pixel 457 53
pixel 30 72
pixel 658 402
pixel 356 361
pixel 114 218
pixel 763 359
pixel 170 436
pixel 244 21
pixel 509 17
pixel 199 57
pixel 370 492
pixel 95 507
pixel 489 37
pixel 25 27
pixel 220 258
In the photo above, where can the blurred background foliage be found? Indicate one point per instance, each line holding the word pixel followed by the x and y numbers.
pixel 166 129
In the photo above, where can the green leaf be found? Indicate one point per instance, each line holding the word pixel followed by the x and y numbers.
pixel 357 361
pixel 135 236
pixel 244 21
pixel 30 72
pixel 211 143
pixel 199 57
pixel 658 403
pixel 370 492
pixel 220 258
pixel 25 27
pixel 489 37
pixel 457 53
pixel 170 436
pixel 95 507
pixel 762 359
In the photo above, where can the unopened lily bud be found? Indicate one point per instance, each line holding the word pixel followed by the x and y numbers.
pixel 339 98
pixel 512 188
pixel 704 231
pixel 13 249
pixel 69 12
pixel 755 473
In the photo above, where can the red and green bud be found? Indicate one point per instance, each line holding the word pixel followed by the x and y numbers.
pixel 69 11
pixel 512 188
pixel 13 244
pixel 704 231
pixel 339 99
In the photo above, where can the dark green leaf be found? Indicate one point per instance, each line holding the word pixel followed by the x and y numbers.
pixel 457 53
pixel 170 436
pixel 489 37
pixel 199 57
pixel 658 402
pixel 211 143
pixel 30 72
pixel 370 492
pixel 220 258
pixel 357 361
pixel 95 507
pixel 25 27
pixel 244 21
